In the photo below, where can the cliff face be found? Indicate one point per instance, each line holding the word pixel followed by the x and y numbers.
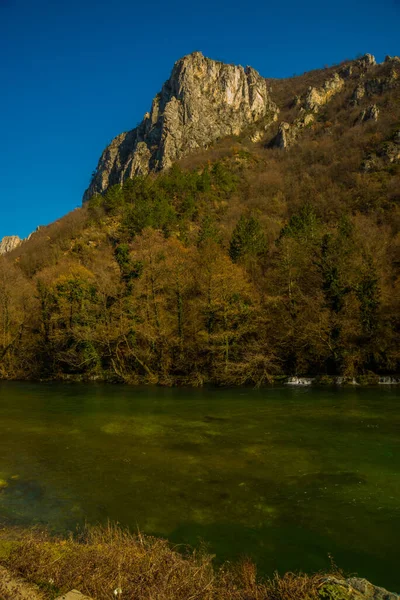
pixel 8 243
pixel 202 101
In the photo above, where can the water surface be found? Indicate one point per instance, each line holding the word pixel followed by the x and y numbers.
pixel 286 476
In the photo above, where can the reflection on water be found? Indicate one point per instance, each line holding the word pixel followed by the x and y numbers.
pixel 283 475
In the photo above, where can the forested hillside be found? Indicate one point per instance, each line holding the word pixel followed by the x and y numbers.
pixel 241 264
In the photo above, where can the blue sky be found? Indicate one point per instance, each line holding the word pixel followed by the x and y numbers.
pixel 75 73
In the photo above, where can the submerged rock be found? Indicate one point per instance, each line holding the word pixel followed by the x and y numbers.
pixel 389 380
pixel 299 381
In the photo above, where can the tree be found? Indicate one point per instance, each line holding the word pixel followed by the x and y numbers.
pixel 247 239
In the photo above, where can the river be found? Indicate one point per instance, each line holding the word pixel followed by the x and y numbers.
pixel 284 475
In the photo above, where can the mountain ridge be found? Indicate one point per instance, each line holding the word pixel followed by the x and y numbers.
pixel 201 101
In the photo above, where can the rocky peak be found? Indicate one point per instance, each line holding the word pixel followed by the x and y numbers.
pixel 392 59
pixel 8 243
pixel 366 61
pixel 203 100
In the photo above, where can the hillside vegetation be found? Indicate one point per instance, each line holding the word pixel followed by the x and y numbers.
pixel 241 264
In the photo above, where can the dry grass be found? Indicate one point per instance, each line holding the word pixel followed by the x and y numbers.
pixel 102 560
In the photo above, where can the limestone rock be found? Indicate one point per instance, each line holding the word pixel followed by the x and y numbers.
pixel 366 61
pixel 203 100
pixel 392 59
pixel 73 595
pixel 285 136
pixel 15 587
pixel 370 114
pixel 358 94
pixel 346 71
pixel 304 120
pixel 8 243
pixel 353 588
pixel 373 87
pixel 388 153
pixel 316 98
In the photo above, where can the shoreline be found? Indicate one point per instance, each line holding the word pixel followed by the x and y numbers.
pixel 102 562
pixel 369 380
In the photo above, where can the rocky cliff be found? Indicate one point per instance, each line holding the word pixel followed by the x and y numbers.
pixel 9 242
pixel 203 100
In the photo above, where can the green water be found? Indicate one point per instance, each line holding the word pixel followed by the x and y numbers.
pixel 287 476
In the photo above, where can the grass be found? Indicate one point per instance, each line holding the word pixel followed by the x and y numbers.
pixel 109 562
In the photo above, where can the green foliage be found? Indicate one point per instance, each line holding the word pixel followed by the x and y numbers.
pixel 367 292
pixel 303 225
pixel 130 270
pixel 247 239
pixel 208 231
pixel 224 178
pixel 335 290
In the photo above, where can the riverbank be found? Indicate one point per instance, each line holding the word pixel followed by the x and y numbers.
pixel 112 562
pixel 363 380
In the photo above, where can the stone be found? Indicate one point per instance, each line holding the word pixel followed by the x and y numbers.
pixel 346 71
pixel 9 243
pixel 373 87
pixel 203 100
pixel 392 59
pixel 353 588
pixel 285 136
pixel 358 94
pixel 370 114
pixel 317 97
pixel 366 61
pixel 299 381
pixel 15 587
pixel 73 595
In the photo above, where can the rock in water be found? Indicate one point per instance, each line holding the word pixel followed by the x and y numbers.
pixel 203 100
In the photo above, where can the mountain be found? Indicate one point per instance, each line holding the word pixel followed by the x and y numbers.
pixel 203 100
pixel 258 238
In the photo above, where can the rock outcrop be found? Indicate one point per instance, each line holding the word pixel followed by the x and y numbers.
pixel 8 243
pixel 366 61
pixel 353 588
pixel 386 154
pixel 310 104
pixel 392 59
pixel 374 87
pixel 317 97
pixel 371 113
pixel 203 100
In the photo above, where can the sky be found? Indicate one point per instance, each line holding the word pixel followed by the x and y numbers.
pixel 75 73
